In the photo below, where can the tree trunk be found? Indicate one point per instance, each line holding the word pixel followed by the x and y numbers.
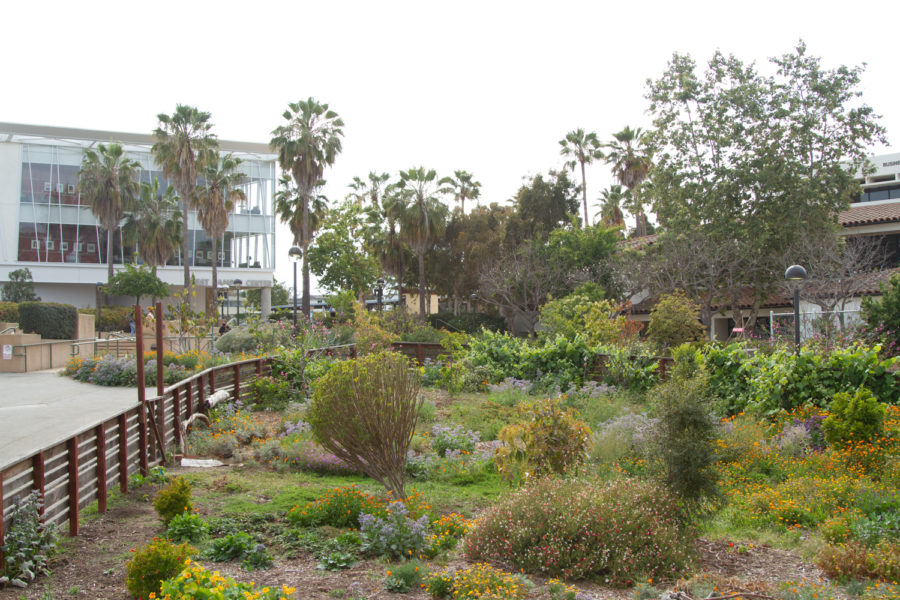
pixel 421 286
pixel 185 256
pixel 584 195
pixel 306 241
pixel 211 301
pixel 109 255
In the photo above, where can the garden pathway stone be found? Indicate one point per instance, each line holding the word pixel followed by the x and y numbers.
pixel 42 408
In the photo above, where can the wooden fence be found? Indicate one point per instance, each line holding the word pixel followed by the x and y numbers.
pixel 81 469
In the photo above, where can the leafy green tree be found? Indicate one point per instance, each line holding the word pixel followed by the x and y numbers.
pixel 566 316
pixel 137 281
pixel 752 159
pixel 214 199
pixel 20 287
pixel 422 217
pixel 109 180
pixel 155 224
pixel 542 205
pixel 308 143
pixel 582 253
pixel 584 148
pixel 630 163
pixel 882 315
pixel 182 145
pixel 463 187
pixel 339 257
pixel 674 320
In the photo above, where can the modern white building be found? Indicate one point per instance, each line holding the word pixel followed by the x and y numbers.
pixel 46 226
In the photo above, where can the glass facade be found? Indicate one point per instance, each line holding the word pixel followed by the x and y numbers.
pixel 56 224
pixel 890 192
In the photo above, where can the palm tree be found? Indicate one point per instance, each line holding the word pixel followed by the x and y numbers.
pixel 306 144
pixel 289 209
pixel 421 216
pixel 611 200
pixel 182 146
pixel 214 200
pixel 630 166
pixel 370 190
pixel 155 224
pixel 462 187
pixel 583 148
pixel 109 180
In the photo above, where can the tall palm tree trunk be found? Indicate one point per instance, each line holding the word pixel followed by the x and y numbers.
pixel 421 285
pixel 306 253
pixel 109 255
pixel 211 298
pixel 584 194
pixel 185 256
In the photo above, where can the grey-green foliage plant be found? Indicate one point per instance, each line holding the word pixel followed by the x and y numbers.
pixel 20 287
pixel 187 527
pixel 685 435
pixel 28 544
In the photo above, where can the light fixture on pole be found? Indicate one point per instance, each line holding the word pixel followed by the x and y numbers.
pixel 237 283
pixel 472 300
pixel 100 285
pixel 295 254
pixel 379 291
pixel 795 274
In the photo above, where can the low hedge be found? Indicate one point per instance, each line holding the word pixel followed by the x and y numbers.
pixel 467 322
pixel 113 318
pixel 53 321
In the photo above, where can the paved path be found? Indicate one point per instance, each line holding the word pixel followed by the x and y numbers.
pixel 42 408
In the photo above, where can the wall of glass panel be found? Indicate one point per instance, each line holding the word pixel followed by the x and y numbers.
pixel 56 224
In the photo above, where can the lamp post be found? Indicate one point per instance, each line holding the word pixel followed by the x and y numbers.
pixel 379 291
pixel 237 284
pixel 295 254
pixel 795 274
pixel 472 300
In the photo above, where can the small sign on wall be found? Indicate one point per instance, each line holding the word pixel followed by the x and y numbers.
pixel 7 351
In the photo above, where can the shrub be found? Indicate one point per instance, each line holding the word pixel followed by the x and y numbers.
pixel 51 320
pixel 405 577
pixel 685 439
pixel 619 531
pixel 173 500
pixel 153 564
pixel 340 507
pixel 270 393
pixel 28 543
pixel 478 581
pixel 20 287
pixel 196 582
pixel 853 560
pixel 364 411
pixel 257 558
pixel 187 527
pixel 446 532
pixel 395 534
pixel 112 318
pixel 674 320
pixel 550 440
pixel 453 438
pixel 233 546
pixel 467 322
pixel 565 316
pixel 9 312
pixel 239 339
pixel 369 335
pixel 854 419
pixel 883 314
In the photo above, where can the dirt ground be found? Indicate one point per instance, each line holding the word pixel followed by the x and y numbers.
pixel 92 565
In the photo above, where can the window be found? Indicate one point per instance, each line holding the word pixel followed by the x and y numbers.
pixel 60 187
pixel 71 188
pixel 47 186
pixel 209 254
pixel 51 245
pixel 35 244
pixel 79 246
pixel 64 246
pixel 92 248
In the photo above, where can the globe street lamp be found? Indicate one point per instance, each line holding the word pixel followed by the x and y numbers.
pixel 237 284
pixel 472 300
pixel 795 274
pixel 379 291
pixel 295 254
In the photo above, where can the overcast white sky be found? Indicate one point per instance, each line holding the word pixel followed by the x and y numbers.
pixel 489 87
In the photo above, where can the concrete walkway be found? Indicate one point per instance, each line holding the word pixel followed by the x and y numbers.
pixel 42 408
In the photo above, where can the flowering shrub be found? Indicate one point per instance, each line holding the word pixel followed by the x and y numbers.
pixel 457 467
pixel 405 576
pixel 446 532
pixel 340 507
pixel 196 582
pixel 153 564
pixel 270 393
pixel 857 418
pixel 297 451
pixel 550 440
pixel 479 581
pixel 111 371
pixel 453 438
pixel 855 561
pixel 617 532
pixel 187 527
pixel 395 534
